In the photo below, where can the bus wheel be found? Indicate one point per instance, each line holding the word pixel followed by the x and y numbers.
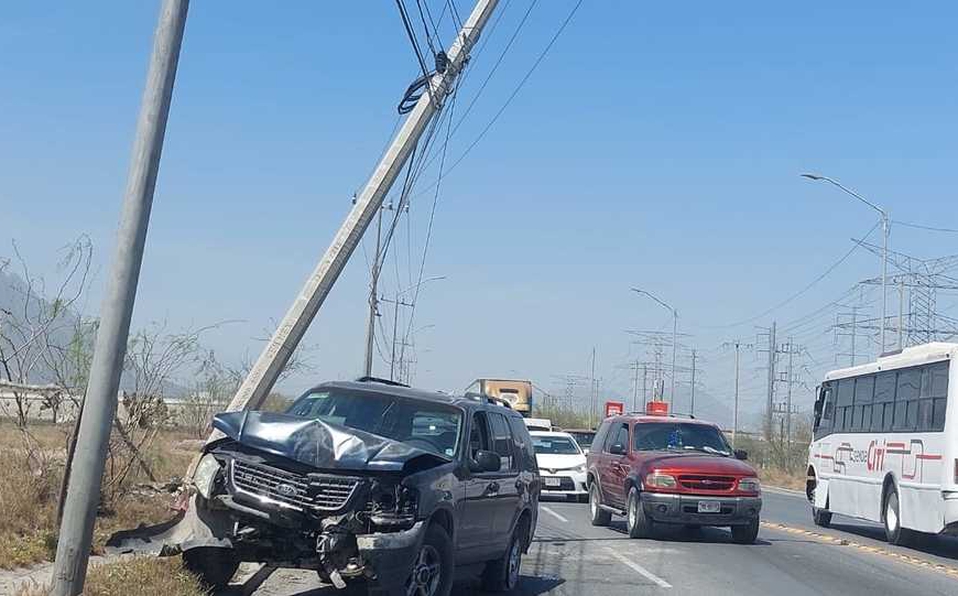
pixel 821 517
pixel 894 533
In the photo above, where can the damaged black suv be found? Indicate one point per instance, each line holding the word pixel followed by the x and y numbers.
pixel 373 485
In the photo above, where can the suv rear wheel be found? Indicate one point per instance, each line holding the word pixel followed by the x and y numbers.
pixel 502 575
pixel 598 515
pixel 637 522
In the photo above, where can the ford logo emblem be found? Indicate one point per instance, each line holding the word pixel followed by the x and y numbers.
pixel 287 490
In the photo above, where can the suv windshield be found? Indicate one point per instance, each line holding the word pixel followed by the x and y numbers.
pixel 554 446
pixel 427 426
pixel 680 436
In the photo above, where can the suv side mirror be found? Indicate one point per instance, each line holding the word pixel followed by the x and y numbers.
pixel 486 461
pixel 617 449
pixel 741 454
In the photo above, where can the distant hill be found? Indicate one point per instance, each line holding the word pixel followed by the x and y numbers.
pixel 15 297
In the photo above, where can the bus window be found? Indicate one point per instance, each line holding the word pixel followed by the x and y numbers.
pixel 844 407
pixel 825 409
pixel 934 396
pixel 906 399
pixel 883 408
pixel 864 391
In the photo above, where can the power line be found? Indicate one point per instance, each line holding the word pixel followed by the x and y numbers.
pixel 512 96
pixel 432 217
pixel 412 39
pixel 422 17
pixel 808 287
pixel 924 227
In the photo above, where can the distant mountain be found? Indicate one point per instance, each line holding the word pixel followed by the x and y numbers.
pixel 15 296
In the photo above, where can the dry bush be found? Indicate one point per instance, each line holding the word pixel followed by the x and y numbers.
pixel 29 486
pixel 28 500
pixel 136 576
pixel 562 417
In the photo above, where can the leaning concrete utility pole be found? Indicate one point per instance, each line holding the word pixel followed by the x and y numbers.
pixel 278 351
pixel 99 406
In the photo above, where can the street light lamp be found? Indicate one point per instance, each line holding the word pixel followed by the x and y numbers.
pixel 675 328
pixel 884 258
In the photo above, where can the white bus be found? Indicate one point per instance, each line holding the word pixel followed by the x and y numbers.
pixel 885 444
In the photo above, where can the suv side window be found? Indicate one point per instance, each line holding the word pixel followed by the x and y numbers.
pixel 619 435
pixel 523 443
pixel 479 436
pixel 502 441
pixel 598 441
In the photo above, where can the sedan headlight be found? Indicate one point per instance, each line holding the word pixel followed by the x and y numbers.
pixel 579 469
pixel 749 485
pixel 660 480
pixel 205 475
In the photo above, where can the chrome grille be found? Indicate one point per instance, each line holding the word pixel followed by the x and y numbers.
pixel 322 492
pixel 702 482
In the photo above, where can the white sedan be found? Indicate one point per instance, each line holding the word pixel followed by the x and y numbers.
pixel 561 465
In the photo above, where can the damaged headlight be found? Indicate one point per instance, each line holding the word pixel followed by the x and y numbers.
pixel 205 475
pixel 393 505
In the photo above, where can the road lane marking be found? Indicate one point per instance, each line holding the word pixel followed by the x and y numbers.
pixel 559 517
pixel 639 569
pixel 875 550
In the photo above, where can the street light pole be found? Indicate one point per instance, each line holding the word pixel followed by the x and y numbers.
pixel 884 258
pixel 675 330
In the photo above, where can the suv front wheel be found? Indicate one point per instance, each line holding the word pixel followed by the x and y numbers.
pixel 746 534
pixel 598 515
pixel 637 521
pixel 432 572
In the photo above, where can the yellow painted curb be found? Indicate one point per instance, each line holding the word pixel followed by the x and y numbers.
pixel 825 538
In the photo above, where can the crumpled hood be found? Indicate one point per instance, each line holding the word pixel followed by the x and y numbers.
pixel 699 463
pixel 317 443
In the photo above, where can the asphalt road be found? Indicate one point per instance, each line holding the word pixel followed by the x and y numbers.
pixel 792 557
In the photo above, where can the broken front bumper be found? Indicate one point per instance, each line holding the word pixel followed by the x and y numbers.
pixel 385 557
pixel 391 555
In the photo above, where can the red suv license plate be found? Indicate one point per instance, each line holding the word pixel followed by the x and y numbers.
pixel 710 506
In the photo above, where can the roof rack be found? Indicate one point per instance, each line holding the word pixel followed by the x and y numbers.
pixel 489 399
pixel 669 415
pixel 381 381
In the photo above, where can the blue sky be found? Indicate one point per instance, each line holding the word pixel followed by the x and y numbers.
pixel 658 145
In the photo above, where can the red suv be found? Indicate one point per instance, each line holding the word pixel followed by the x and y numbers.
pixel 670 470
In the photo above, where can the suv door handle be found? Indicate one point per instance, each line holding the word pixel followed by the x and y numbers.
pixel 492 489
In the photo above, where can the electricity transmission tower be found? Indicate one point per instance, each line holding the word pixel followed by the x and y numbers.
pixel 655 344
pixel 923 278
